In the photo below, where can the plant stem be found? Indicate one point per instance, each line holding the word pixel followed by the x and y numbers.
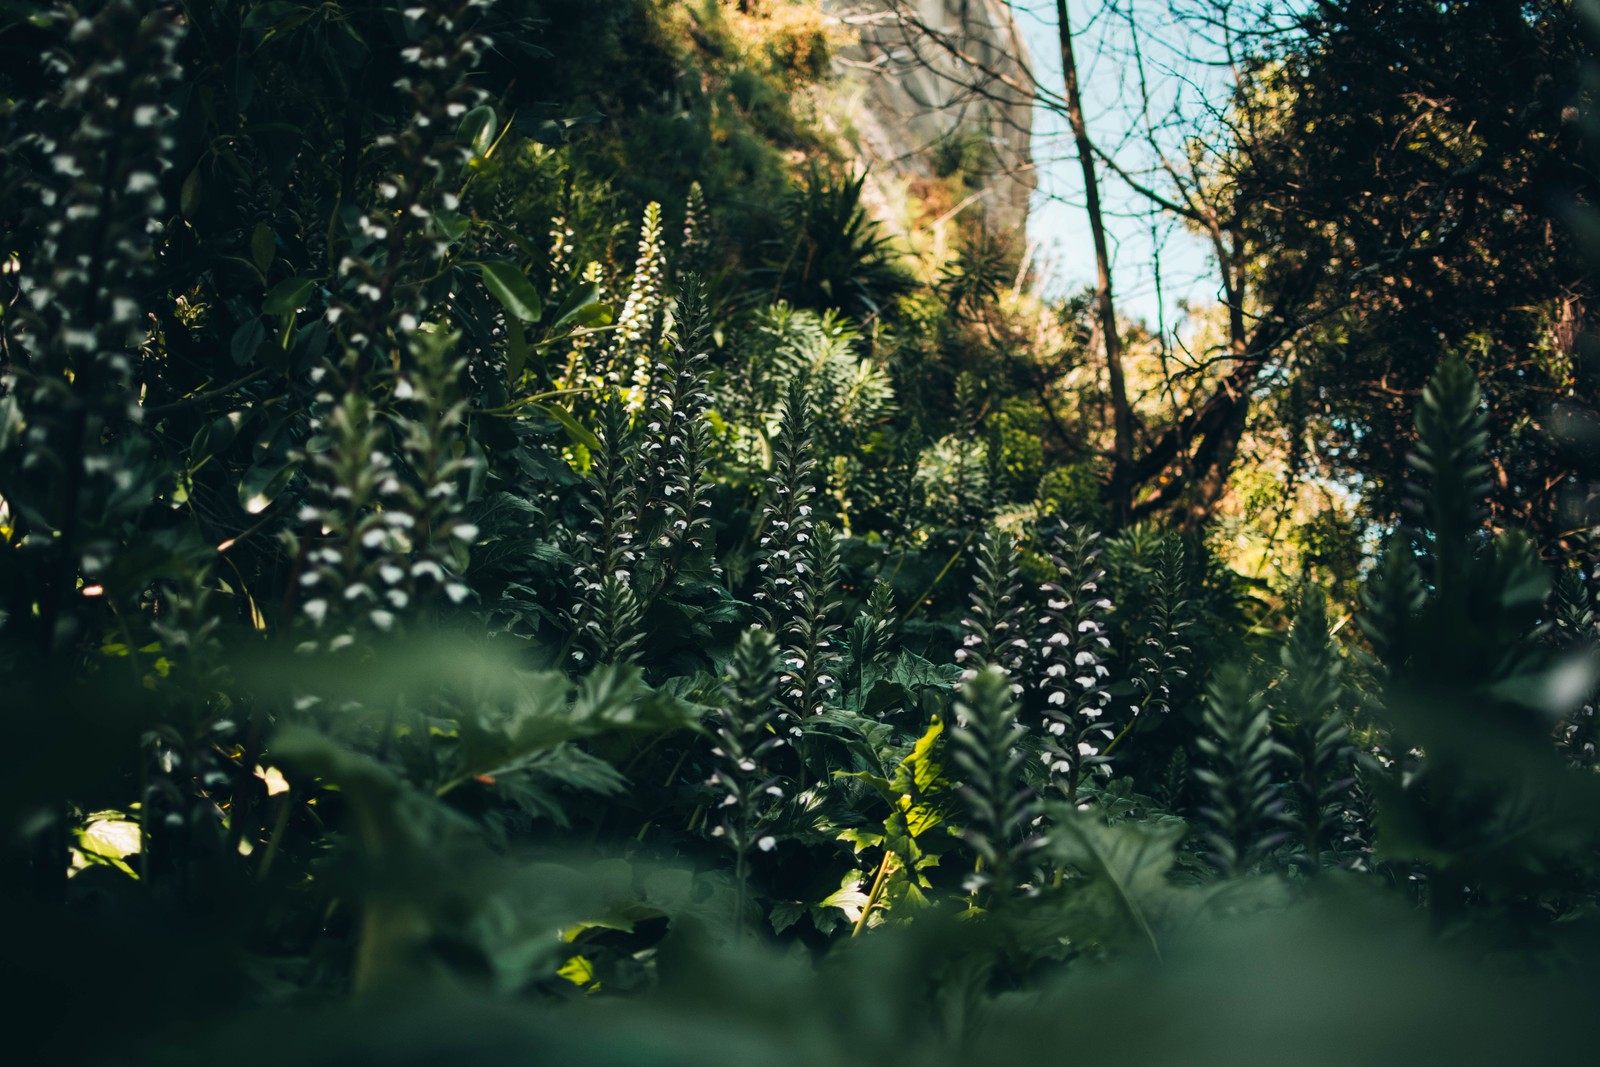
pixel 877 890
pixel 926 593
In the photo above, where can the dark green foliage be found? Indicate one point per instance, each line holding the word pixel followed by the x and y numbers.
pixel 832 253
pixel 994 625
pixel 788 525
pixel 1474 787
pixel 1576 630
pixel 869 642
pixel 1242 804
pixel 606 617
pixel 1159 612
pixel 1308 712
pixel 1070 650
pixel 985 747
pixel 745 790
pixel 404 665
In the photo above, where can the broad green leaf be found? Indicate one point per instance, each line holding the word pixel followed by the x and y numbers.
pixel 288 296
pixel 189 194
pixel 582 307
pixel 477 129
pixel 512 288
pixel 262 246
pixel 579 433
pixel 1126 864
pixel 451 225
pixel 516 352
pixel 246 340
pixel 113 838
pixel 261 485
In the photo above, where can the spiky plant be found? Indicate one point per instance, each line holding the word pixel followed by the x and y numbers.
pixel 382 523
pixel 1576 629
pixel 1070 647
pixel 906 496
pixel 1174 782
pixel 868 641
pixel 1000 805
pixel 380 295
pixel 809 659
pixel 383 533
pixel 677 445
pixel 561 249
pixel 588 357
pixel 607 613
pixel 787 525
pixel 745 787
pixel 631 359
pixel 1392 597
pixel 1450 474
pixel 88 154
pixel 695 248
pixel 1164 651
pixel 1309 716
pixel 994 621
pixel 1242 806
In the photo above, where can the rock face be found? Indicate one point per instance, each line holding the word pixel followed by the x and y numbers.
pixel 944 81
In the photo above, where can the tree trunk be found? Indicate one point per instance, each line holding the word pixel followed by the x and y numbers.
pixel 1119 491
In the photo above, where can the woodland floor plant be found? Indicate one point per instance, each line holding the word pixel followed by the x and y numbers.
pixel 411 657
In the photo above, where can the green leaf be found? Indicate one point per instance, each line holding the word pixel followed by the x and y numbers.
pixel 261 485
pixel 189 194
pixel 262 247
pixel 1126 865
pixel 512 288
pixel 516 352
pixel 288 296
pixel 451 225
pixel 582 308
pixel 477 130
pixel 575 429
pixel 112 838
pixel 246 340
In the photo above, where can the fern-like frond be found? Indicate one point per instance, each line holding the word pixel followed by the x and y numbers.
pixel 744 788
pixel 1451 472
pixel 607 611
pixel 994 622
pixel 1243 808
pixel 1000 806
pixel 1308 700
pixel 1070 648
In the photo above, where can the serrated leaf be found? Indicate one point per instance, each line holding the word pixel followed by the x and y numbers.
pixel 1127 863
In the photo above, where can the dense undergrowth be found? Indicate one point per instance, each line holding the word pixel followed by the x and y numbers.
pixel 455 612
